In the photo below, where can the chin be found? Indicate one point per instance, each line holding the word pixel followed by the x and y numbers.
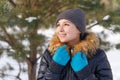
pixel 64 41
pixel 61 40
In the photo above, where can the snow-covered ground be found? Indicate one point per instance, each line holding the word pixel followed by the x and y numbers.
pixel 4 61
pixel 113 55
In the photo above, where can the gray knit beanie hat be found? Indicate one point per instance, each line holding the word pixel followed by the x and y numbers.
pixel 76 16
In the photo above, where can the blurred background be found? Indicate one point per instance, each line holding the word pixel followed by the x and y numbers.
pixel 26 26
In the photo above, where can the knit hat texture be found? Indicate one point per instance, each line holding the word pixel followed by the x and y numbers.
pixel 76 16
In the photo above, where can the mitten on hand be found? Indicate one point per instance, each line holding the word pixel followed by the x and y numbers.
pixel 61 56
pixel 79 61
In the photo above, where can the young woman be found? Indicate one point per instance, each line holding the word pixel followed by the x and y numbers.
pixel 73 52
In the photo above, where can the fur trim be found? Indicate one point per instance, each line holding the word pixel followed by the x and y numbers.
pixel 87 46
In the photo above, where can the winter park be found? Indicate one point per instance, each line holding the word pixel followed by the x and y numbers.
pixel 27 27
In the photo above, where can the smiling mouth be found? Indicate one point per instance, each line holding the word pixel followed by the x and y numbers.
pixel 62 35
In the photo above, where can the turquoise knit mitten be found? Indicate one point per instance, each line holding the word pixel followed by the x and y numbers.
pixel 61 56
pixel 79 61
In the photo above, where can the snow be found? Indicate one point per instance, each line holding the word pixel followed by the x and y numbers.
pixel 113 38
pixel 48 33
pixel 97 29
pixel 4 61
pixel 113 54
pixel 114 58
pixel 30 19
pixel 19 16
pixel 106 17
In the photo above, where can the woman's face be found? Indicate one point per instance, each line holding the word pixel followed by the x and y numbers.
pixel 67 32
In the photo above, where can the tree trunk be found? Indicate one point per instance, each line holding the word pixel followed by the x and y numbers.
pixel 32 65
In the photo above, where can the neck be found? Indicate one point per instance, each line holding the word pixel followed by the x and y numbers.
pixel 72 43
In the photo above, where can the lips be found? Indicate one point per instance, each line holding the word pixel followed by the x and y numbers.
pixel 62 35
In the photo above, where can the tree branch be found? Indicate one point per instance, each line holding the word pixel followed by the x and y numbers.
pixel 18 76
pixel 92 25
pixel 13 3
pixel 28 3
pixel 10 42
pixel 35 3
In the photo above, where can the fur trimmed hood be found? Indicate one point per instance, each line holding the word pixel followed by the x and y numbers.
pixel 88 46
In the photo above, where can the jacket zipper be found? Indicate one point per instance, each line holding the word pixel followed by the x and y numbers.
pixel 70 77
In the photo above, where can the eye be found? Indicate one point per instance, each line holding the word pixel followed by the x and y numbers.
pixel 57 25
pixel 66 24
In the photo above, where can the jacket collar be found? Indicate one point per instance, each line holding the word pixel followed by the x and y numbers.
pixel 88 46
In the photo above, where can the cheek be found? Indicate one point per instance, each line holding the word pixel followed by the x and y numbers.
pixel 56 30
pixel 73 33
